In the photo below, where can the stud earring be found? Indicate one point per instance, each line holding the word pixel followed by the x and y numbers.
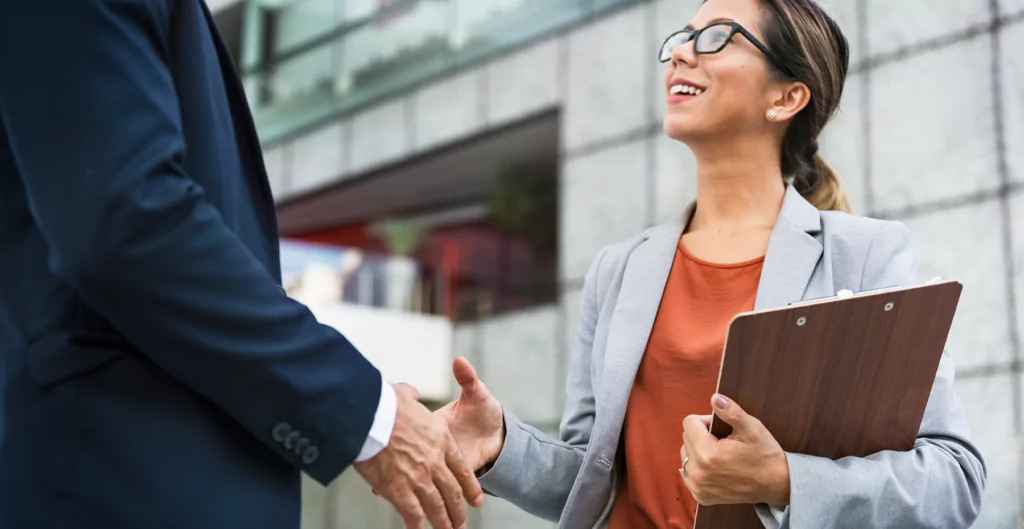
pixel 772 114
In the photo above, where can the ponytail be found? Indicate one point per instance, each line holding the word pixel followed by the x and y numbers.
pixel 823 189
pixel 813 50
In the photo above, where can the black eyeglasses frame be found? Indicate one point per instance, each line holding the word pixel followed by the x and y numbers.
pixel 734 28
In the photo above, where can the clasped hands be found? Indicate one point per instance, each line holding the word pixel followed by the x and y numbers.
pixel 748 466
pixel 422 471
pixel 427 468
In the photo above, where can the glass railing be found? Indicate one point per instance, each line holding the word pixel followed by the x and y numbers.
pixel 329 56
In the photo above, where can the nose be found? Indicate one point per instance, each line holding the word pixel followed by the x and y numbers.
pixel 685 54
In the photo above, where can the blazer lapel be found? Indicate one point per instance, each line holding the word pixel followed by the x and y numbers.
pixel 247 140
pixel 789 264
pixel 643 283
pixel 793 253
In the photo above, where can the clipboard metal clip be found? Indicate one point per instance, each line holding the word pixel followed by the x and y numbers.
pixel 846 293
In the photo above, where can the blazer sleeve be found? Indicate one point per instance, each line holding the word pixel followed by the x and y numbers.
pixel 535 472
pixel 90 108
pixel 937 485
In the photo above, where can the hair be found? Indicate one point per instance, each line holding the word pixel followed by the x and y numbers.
pixel 809 47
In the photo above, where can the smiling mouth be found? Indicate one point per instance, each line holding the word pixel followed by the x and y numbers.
pixel 685 90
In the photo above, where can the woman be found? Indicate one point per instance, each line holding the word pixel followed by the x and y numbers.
pixel 750 85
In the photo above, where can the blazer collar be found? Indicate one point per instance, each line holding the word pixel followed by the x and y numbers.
pixel 793 252
pixel 792 256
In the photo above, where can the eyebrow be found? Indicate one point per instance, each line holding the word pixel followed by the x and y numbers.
pixel 712 21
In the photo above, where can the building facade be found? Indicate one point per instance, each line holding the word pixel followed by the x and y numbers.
pixel 379 112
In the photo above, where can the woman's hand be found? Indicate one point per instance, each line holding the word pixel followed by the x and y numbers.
pixel 748 466
pixel 475 420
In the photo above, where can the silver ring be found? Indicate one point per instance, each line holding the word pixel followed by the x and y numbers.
pixel 682 469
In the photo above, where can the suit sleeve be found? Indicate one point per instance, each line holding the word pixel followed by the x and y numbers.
pixel 936 485
pixel 91 111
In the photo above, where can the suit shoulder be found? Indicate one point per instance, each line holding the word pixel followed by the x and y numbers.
pixel 857 245
pixel 857 231
pixel 612 258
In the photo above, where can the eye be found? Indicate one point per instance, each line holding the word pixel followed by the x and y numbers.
pixel 719 35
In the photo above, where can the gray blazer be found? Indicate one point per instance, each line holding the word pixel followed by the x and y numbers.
pixel 574 479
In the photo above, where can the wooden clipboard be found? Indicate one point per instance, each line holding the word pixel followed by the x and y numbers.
pixel 846 376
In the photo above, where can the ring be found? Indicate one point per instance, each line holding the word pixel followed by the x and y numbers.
pixel 682 470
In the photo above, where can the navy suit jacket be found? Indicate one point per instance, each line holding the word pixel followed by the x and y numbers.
pixel 156 373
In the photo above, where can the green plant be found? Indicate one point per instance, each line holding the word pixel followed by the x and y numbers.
pixel 401 237
pixel 524 203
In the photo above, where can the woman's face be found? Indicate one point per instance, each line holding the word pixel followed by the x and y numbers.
pixel 735 83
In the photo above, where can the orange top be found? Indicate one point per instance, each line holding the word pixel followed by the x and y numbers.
pixel 677 377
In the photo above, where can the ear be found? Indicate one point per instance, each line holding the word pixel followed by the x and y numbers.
pixel 790 100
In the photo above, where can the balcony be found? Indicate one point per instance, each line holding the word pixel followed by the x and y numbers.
pixel 308 60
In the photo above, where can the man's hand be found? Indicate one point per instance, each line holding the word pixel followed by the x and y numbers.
pixel 475 419
pixel 749 466
pixel 421 471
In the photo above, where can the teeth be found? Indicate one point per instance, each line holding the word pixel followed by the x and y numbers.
pixel 685 89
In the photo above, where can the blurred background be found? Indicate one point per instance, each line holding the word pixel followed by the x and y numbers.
pixel 445 170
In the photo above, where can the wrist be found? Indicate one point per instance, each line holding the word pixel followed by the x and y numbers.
pixel 497 444
pixel 778 485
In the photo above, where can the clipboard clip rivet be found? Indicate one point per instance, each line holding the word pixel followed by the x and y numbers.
pixel 889 306
pixel 801 321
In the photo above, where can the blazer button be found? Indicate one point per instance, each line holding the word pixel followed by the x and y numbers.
pixel 301 446
pixel 310 455
pixel 281 431
pixel 289 442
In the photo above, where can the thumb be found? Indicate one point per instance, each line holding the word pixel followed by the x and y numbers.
pixel 730 412
pixel 465 375
pixel 405 390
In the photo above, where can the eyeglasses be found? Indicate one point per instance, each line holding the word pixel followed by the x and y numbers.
pixel 714 39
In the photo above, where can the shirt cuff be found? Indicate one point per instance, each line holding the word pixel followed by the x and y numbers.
pixel 383 423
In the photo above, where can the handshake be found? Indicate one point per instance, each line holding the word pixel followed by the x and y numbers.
pixel 428 466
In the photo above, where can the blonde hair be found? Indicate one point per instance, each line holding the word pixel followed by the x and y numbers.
pixel 809 45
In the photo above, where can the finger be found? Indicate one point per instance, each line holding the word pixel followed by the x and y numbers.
pixel 433 505
pixel 452 494
pixel 466 376
pixel 407 391
pixel 696 437
pixel 409 509
pixel 732 413
pixel 706 419
pixel 464 476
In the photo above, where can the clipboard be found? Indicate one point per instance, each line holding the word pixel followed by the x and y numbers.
pixel 838 377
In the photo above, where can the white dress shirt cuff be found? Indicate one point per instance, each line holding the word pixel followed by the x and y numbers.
pixel 383 423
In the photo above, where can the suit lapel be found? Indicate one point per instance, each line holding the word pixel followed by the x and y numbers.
pixel 793 253
pixel 643 284
pixel 247 140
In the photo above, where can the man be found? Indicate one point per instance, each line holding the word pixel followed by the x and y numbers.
pixel 157 375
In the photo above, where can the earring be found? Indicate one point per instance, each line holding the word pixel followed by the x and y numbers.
pixel 772 114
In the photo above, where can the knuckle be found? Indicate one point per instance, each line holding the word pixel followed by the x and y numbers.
pixel 699 478
pixel 409 509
